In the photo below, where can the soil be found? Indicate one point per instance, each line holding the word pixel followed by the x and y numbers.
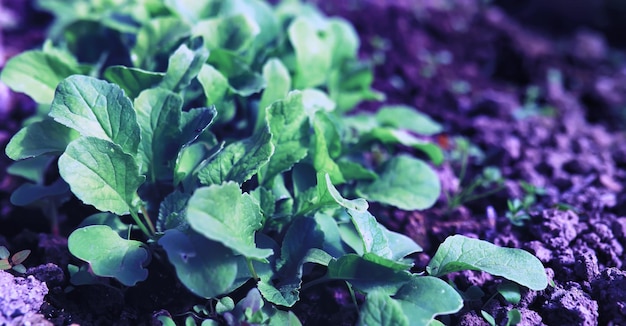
pixel 469 64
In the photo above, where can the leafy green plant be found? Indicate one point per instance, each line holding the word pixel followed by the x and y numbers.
pixel 219 129
pixel 518 210
pixel 489 182
pixel 13 262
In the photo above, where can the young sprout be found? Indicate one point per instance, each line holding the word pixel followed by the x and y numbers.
pixel 15 262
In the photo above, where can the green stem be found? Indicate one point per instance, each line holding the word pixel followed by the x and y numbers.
pixel 146 217
pixel 251 268
pixel 140 223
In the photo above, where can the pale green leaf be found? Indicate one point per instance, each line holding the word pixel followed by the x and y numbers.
pixel 233 33
pixel 96 108
pixel 112 186
pixel 407 118
pixel 183 66
pixel 37 74
pixel 459 253
pixel 404 182
pixel 222 213
pixel 313 53
pixel 217 92
pixel 156 39
pixel 289 126
pixel 109 255
pixel 278 82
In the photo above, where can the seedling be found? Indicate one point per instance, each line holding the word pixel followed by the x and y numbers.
pixel 518 210
pixel 15 261
pixel 489 182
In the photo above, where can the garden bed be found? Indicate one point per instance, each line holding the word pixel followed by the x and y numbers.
pixel 545 109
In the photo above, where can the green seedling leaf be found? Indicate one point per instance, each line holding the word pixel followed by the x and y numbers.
pixel 132 80
pixel 407 118
pixel 417 298
pixel 194 122
pixel 5 264
pixel 98 109
pixel 224 304
pixel 4 252
pixel 313 53
pixel 19 257
pixel 458 253
pixel 514 317
pixel 222 213
pixel 397 136
pixel 242 79
pixel 332 237
pixel 350 84
pixel 489 318
pixel 278 85
pixel 205 267
pixel 355 171
pixel 37 74
pixel 109 219
pixel 217 92
pixel 303 235
pixel 109 255
pixel 159 115
pixel 191 11
pixel 405 182
pixel 184 65
pixel 510 292
pixel 380 309
pixel 172 212
pixel 315 100
pixel 32 169
pixel 190 159
pixel 289 126
pixel 19 268
pixel 367 275
pixel 374 237
pixel 325 146
pixel 240 160
pixel 157 37
pixel 38 138
pixel 31 194
pixel 344 40
pixel 113 186
pixel 231 33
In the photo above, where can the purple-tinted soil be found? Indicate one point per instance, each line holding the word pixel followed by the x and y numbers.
pixel 468 65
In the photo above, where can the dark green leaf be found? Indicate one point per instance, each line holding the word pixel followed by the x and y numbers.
pixel 380 309
pixel 38 73
pixel 205 267
pixel 172 212
pixel 29 193
pixel 424 297
pixel 132 80
pixel 184 65
pixel 233 33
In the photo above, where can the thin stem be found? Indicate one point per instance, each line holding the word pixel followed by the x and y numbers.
pixel 140 224
pixel 251 268
pixel 315 282
pixel 146 217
